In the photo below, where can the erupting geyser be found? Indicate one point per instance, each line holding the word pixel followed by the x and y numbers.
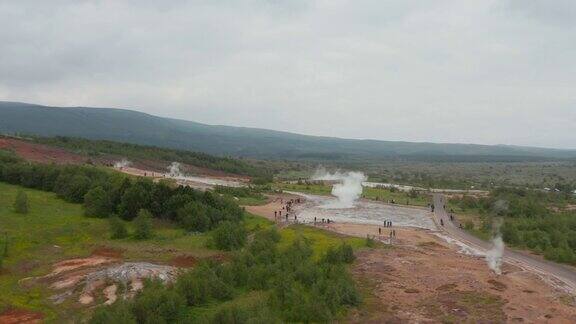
pixel 174 170
pixel 495 254
pixel 122 164
pixel 347 190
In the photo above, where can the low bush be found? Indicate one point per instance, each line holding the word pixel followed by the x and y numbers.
pixel 118 229
pixel 229 236
pixel 21 205
pixel 143 226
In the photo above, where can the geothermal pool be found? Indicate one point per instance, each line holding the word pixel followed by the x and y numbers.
pixel 364 212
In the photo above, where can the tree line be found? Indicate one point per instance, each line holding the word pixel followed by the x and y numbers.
pixel 105 192
pixel 96 148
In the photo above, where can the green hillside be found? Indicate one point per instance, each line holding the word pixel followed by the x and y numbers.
pixel 140 128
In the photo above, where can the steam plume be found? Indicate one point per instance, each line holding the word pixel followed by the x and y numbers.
pixel 174 170
pixel 494 255
pixel 348 190
pixel 122 164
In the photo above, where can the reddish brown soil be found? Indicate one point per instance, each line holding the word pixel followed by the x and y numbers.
pixel 40 153
pixel 26 266
pixel 183 261
pixel 107 252
pixel 431 282
pixel 188 261
pixel 76 264
pixel 20 316
pixel 191 169
pixel 50 154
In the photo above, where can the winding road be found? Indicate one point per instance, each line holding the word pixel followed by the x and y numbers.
pixel 561 275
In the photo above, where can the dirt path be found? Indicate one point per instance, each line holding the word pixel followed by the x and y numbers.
pixel 276 204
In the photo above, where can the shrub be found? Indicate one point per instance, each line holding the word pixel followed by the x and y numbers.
pixel 96 203
pixel 117 313
pixel 135 198
pixel 346 253
pixel 143 225
pixel 21 205
pixel 118 228
pixel 72 186
pixel 230 315
pixel 201 285
pixel 342 254
pixel 158 304
pixel 229 236
pixel 193 217
pixel 370 242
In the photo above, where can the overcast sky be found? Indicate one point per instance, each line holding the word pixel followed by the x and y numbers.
pixel 474 71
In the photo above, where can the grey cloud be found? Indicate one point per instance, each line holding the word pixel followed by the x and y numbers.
pixel 449 71
pixel 552 12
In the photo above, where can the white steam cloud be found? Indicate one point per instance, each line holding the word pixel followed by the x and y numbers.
pixel 494 255
pixel 122 164
pixel 174 170
pixel 347 190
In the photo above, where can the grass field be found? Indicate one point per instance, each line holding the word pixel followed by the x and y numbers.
pixel 55 230
pixel 379 194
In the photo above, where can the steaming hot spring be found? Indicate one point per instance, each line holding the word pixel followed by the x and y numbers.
pixel 345 205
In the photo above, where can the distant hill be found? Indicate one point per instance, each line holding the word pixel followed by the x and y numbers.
pixel 140 128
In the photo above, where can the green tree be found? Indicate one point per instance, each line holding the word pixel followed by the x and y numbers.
pixel 143 225
pixel 96 203
pixel 4 249
pixel 71 186
pixel 229 236
pixel 21 205
pixel 157 303
pixel 118 228
pixel 134 198
pixel 193 217
pixel 117 313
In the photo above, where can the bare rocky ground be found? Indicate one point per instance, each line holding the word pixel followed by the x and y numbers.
pixel 101 278
pixel 422 279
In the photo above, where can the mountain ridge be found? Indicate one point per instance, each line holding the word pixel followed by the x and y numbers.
pixel 132 126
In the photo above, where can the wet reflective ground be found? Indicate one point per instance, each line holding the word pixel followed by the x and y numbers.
pixel 364 212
